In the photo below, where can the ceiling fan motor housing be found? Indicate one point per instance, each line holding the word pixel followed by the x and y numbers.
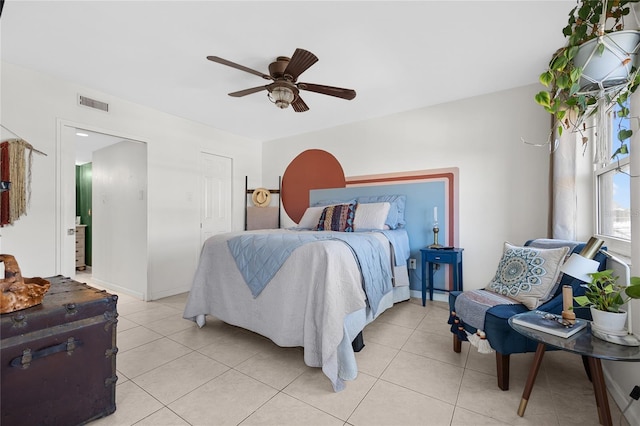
pixel 276 69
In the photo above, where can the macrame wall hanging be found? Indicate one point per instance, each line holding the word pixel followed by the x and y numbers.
pixel 16 161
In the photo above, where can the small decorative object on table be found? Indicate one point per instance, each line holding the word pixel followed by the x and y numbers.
pixel 619 338
pixel 567 304
pixel 17 292
pixel 436 229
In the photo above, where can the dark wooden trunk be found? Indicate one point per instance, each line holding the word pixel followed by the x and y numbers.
pixel 59 358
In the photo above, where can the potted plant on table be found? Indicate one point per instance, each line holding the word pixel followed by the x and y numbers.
pixel 597 68
pixel 605 296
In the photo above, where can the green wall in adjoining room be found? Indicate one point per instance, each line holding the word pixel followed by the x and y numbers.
pixel 83 204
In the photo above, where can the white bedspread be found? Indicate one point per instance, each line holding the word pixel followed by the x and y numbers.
pixel 305 304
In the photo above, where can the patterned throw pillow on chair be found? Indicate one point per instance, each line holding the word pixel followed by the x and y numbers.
pixel 527 274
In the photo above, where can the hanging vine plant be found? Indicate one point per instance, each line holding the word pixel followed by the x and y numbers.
pixel 597 68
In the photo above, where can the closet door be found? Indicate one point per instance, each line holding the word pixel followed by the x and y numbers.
pixel 215 204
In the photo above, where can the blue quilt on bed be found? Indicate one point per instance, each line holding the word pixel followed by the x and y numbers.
pixel 260 256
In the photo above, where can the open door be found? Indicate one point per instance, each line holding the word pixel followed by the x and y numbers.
pixel 119 202
pixel 66 256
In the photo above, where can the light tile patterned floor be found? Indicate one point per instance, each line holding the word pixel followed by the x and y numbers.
pixel 172 373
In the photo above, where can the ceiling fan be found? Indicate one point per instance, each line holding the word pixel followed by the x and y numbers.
pixel 284 72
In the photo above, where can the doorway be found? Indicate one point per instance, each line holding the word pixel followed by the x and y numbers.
pixel 112 211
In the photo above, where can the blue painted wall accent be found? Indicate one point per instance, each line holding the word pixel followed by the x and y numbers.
pixel 422 197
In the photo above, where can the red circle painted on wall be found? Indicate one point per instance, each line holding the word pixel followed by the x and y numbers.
pixel 311 169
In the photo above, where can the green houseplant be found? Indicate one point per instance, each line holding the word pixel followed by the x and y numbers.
pixel 605 294
pixel 605 297
pixel 572 95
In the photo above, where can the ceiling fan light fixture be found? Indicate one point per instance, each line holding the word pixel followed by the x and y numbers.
pixel 282 96
pixel 284 72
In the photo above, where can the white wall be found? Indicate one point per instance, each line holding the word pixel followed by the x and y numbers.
pixel 119 217
pixel 31 106
pixel 503 182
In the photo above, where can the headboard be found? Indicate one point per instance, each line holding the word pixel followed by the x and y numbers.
pixel 422 196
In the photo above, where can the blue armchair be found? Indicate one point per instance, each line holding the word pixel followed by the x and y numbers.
pixel 502 338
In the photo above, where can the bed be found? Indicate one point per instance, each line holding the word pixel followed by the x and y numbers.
pixel 320 294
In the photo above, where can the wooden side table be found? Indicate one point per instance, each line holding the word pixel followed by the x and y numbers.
pixel 440 256
pixel 582 343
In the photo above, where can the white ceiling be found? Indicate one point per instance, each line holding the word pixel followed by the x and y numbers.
pixel 86 145
pixel 397 55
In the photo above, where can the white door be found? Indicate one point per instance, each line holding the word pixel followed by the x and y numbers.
pixel 215 208
pixel 119 201
pixel 66 258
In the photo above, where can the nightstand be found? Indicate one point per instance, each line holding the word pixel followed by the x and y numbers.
pixel 439 256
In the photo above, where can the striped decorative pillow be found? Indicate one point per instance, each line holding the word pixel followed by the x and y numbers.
pixel 338 217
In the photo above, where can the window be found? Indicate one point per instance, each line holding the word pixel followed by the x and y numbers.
pixel 613 194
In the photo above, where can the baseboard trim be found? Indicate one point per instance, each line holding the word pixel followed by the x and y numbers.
pixel 437 296
pixel 119 289
pixel 168 293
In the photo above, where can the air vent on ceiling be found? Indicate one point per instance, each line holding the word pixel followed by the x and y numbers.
pixel 92 103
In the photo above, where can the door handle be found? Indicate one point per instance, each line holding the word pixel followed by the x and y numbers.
pixel 71 231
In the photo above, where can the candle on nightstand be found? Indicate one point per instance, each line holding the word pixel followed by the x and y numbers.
pixel 435 214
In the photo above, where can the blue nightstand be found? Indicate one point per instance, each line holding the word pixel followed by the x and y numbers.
pixel 439 256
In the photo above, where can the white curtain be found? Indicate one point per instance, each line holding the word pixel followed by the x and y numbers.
pixel 572 179
pixel 563 186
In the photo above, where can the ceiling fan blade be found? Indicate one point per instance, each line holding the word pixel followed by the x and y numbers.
pixel 299 63
pixel 246 92
pixel 238 66
pixel 338 92
pixel 299 105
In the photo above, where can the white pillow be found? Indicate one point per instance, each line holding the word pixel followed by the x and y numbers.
pixel 371 215
pixel 310 217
